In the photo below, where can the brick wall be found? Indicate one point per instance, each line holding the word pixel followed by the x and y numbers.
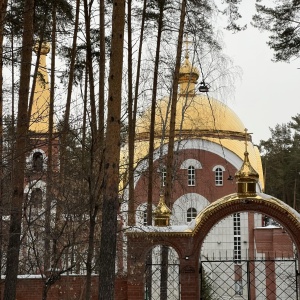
pixel 67 288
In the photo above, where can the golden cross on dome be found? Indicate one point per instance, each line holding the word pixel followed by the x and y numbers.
pixel 246 139
pixel 187 42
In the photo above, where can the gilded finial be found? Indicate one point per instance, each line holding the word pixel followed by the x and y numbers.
pixel 162 213
pixel 187 42
pixel 188 74
pixel 246 140
pixel 45 48
pixel 246 177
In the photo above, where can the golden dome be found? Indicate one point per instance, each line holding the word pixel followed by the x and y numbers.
pixel 162 213
pixel 195 115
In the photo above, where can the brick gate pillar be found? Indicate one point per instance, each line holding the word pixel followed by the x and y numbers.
pixel 136 268
pixel 189 278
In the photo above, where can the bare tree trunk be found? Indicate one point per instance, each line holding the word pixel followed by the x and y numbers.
pixel 153 112
pixel 112 157
pixel 66 121
pixel 47 256
pixel 19 156
pixel 65 130
pixel 3 7
pixel 164 273
pixel 170 157
pixel 131 138
pixel 102 72
pixel 94 170
pixel 131 129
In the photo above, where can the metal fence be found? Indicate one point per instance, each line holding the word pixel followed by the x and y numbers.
pixel 249 279
pixel 162 282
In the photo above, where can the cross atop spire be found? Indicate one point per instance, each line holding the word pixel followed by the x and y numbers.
pixel 187 42
pixel 246 139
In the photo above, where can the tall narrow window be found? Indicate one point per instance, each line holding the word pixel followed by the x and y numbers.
pixel 145 217
pixel 37 161
pixel 191 176
pixel 163 176
pixel 237 247
pixel 191 214
pixel 219 176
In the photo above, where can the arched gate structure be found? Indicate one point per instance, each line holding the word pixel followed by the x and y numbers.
pixel 187 240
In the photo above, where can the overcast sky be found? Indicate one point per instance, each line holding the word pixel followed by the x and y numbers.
pixel 268 93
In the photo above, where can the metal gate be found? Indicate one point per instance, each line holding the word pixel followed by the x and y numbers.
pixel 162 282
pixel 249 279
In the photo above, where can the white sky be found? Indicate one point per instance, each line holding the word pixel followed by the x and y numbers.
pixel 268 93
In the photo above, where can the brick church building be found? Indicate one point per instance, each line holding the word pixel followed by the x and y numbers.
pixel 219 224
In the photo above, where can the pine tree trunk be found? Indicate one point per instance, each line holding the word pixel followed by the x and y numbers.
pixel 170 156
pixel 131 127
pixel 131 139
pixel 47 255
pixel 112 156
pixel 19 156
pixel 3 7
pixel 153 112
pixel 94 166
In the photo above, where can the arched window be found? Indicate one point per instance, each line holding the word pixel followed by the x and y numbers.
pixel 218 175
pixel 191 176
pixel 37 161
pixel 191 214
pixel 36 198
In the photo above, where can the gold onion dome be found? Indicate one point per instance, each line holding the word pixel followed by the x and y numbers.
pixel 162 213
pixel 196 114
pixel 45 48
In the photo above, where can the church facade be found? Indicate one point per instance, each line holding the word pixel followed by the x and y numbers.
pixel 210 145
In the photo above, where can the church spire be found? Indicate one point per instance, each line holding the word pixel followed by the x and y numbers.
pixel 247 177
pixel 162 213
pixel 39 119
pixel 188 75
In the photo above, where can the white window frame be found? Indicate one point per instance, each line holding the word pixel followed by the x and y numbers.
pixel 237 244
pixel 191 176
pixel 191 214
pixel 219 176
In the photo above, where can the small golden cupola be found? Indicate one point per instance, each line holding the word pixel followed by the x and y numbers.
pixel 188 75
pixel 162 213
pixel 246 177
pixel 39 118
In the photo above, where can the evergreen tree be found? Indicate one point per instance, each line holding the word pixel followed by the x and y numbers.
pixel 282 22
pixel 281 162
